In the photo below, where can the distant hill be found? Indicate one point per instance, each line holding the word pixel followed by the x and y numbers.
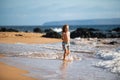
pixel 113 21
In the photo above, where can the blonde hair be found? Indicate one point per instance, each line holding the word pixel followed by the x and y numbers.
pixel 64 27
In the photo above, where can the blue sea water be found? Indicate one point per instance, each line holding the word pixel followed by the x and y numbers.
pixel 72 27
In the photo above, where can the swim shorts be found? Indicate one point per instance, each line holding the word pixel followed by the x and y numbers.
pixel 65 45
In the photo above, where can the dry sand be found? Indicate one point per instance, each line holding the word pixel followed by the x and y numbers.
pixel 12 73
pixel 22 37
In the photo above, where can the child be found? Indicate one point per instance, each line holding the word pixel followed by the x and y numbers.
pixel 66 40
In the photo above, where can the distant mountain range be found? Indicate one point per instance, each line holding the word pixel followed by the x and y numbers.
pixel 113 21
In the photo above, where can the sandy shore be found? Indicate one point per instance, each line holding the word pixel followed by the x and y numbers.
pixel 22 37
pixel 12 73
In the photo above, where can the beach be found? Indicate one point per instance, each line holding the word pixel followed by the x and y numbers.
pixel 59 40
pixel 22 37
pixel 41 58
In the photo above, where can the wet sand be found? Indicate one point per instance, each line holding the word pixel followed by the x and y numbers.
pixel 8 72
pixel 22 37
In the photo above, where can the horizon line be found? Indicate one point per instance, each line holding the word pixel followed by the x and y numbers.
pixel 62 20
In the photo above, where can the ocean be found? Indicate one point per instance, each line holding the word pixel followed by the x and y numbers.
pixel 58 28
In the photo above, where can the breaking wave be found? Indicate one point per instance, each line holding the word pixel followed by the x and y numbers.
pixel 57 29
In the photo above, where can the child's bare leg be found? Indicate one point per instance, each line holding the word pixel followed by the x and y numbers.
pixel 68 52
pixel 64 57
pixel 65 54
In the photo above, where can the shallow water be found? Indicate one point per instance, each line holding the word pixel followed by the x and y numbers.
pixel 44 61
pixel 46 69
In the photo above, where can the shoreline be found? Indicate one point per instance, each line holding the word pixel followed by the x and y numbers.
pixel 29 38
pixel 12 73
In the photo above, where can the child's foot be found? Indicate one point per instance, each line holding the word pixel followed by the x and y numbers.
pixel 64 59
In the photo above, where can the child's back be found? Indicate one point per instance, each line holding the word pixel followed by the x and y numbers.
pixel 66 36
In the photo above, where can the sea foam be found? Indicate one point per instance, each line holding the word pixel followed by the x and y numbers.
pixel 110 60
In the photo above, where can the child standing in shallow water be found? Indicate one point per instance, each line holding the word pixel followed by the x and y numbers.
pixel 66 41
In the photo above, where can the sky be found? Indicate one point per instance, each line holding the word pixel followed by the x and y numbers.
pixel 37 12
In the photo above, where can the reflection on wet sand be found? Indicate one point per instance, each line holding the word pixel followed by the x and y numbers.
pixel 63 68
